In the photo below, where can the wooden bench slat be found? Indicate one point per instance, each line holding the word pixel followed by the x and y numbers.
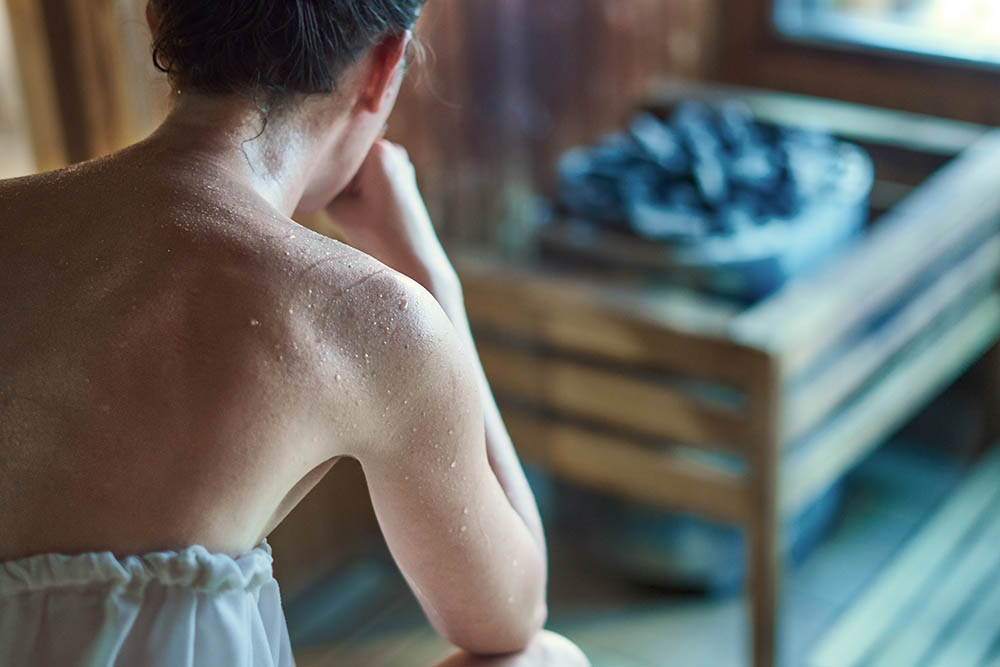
pixel 617 466
pixel 970 645
pixel 617 320
pixel 612 398
pixel 873 416
pixel 968 570
pixel 873 616
pixel 803 321
pixel 810 404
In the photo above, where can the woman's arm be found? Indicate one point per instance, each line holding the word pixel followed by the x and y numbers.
pixel 502 456
pixel 446 484
pixel 384 216
pixel 472 561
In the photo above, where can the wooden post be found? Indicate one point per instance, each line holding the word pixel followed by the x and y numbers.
pixel 763 528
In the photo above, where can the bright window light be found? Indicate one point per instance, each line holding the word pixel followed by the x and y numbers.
pixel 962 30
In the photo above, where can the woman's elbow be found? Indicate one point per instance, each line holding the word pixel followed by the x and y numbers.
pixel 510 632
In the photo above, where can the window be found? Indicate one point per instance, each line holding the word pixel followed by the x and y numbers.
pixel 967 31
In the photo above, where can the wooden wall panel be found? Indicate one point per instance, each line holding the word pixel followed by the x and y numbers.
pixel 506 87
pixel 513 83
pixel 36 83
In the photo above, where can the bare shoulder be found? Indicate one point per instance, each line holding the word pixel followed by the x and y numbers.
pixel 392 348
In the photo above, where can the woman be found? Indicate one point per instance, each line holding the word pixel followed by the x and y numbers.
pixel 180 362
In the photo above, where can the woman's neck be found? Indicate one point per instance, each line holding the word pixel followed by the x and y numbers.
pixel 228 138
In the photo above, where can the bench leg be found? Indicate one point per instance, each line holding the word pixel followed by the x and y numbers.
pixel 763 527
pixel 763 584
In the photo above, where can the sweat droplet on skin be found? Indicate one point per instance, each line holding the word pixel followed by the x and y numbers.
pixel 255 323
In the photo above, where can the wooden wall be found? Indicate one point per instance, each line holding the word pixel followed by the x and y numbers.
pixel 510 84
pixel 505 87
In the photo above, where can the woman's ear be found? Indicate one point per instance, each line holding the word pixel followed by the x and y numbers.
pixel 152 18
pixel 386 63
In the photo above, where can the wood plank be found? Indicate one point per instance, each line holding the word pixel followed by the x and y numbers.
pixel 617 320
pixel 859 429
pixel 617 466
pixel 856 122
pixel 611 397
pixel 808 405
pixel 970 645
pixel 813 314
pixel 966 572
pixel 898 587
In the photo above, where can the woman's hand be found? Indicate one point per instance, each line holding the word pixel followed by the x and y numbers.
pixel 382 214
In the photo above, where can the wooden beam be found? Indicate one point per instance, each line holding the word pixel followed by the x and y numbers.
pixel 764 530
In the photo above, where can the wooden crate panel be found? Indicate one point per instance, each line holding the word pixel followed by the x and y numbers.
pixel 615 465
pixel 613 397
pixel 621 320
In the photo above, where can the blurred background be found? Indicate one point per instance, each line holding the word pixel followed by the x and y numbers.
pixel 733 270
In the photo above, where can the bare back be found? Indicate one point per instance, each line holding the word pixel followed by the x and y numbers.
pixel 157 350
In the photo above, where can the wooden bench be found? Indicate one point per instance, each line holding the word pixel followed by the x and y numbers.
pixel 938 602
pixel 622 385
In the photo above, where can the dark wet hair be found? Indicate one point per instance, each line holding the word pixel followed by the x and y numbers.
pixel 271 49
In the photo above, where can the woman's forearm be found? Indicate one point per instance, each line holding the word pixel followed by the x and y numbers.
pixel 445 286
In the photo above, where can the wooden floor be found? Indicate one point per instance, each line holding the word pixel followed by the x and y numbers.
pixel 365 616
